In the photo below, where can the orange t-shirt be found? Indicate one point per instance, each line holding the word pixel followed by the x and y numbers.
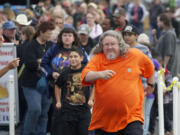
pixel 119 100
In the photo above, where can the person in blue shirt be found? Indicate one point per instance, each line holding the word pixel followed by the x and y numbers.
pixel 57 57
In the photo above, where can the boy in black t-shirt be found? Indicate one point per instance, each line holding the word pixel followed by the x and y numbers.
pixel 73 113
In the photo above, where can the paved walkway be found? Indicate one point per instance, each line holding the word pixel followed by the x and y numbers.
pixel 4 131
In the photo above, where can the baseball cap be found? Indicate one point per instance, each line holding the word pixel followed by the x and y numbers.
pixel 120 12
pixel 69 26
pixel 9 25
pixel 83 29
pixel 131 29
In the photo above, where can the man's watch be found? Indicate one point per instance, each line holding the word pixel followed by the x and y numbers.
pixel 151 85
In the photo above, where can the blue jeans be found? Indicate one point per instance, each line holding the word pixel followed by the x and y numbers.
pixel 148 106
pixel 36 118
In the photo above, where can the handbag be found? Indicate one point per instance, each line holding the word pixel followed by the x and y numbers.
pixel 42 85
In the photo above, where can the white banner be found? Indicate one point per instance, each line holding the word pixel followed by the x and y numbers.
pixel 7 53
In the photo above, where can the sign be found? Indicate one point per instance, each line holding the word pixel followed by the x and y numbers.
pixel 7 53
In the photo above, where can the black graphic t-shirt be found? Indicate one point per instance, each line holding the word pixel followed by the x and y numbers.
pixel 73 95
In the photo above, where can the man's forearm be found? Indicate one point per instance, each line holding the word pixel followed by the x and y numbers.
pixel 166 60
pixel 151 80
pixel 11 65
pixel 4 71
pixel 57 94
pixel 92 76
pixel 150 85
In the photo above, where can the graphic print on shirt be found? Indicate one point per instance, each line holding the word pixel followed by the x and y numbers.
pixel 75 93
pixel 60 61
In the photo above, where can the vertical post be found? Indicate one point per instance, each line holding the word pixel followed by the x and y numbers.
pixel 178 110
pixel 27 3
pixel 175 107
pixel 160 104
pixel 11 105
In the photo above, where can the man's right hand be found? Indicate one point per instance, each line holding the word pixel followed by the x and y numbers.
pixel 58 105
pixel 92 76
pixel 55 75
pixel 154 32
pixel 14 63
pixel 106 74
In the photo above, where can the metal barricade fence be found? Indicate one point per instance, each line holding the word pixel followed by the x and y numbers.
pixel 174 86
pixel 11 105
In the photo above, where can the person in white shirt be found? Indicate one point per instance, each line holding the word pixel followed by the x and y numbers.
pixel 95 29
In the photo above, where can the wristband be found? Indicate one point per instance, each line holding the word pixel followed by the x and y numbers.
pixel 151 85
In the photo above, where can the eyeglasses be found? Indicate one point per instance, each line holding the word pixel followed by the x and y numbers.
pixel 58 23
pixel 21 33
pixel 89 17
pixel 110 44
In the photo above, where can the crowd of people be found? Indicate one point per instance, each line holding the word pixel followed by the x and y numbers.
pixel 90 67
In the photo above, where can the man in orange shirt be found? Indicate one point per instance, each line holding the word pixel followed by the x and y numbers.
pixel 116 71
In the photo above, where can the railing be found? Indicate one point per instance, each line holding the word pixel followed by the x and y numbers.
pixel 161 86
pixel 174 86
pixel 11 105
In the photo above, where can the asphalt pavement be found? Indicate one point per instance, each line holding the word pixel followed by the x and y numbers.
pixel 5 131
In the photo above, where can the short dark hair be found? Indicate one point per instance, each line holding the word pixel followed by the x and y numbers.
pixel 68 30
pixel 43 27
pixel 120 12
pixel 165 19
pixel 110 20
pixel 29 31
pixel 77 49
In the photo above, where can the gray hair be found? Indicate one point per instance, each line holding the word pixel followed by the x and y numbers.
pixel 123 46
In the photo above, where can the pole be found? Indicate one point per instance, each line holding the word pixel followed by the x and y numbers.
pixel 175 107
pixel 160 104
pixel 11 105
pixel 27 3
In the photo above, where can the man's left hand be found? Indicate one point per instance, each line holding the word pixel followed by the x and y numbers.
pixel 148 90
